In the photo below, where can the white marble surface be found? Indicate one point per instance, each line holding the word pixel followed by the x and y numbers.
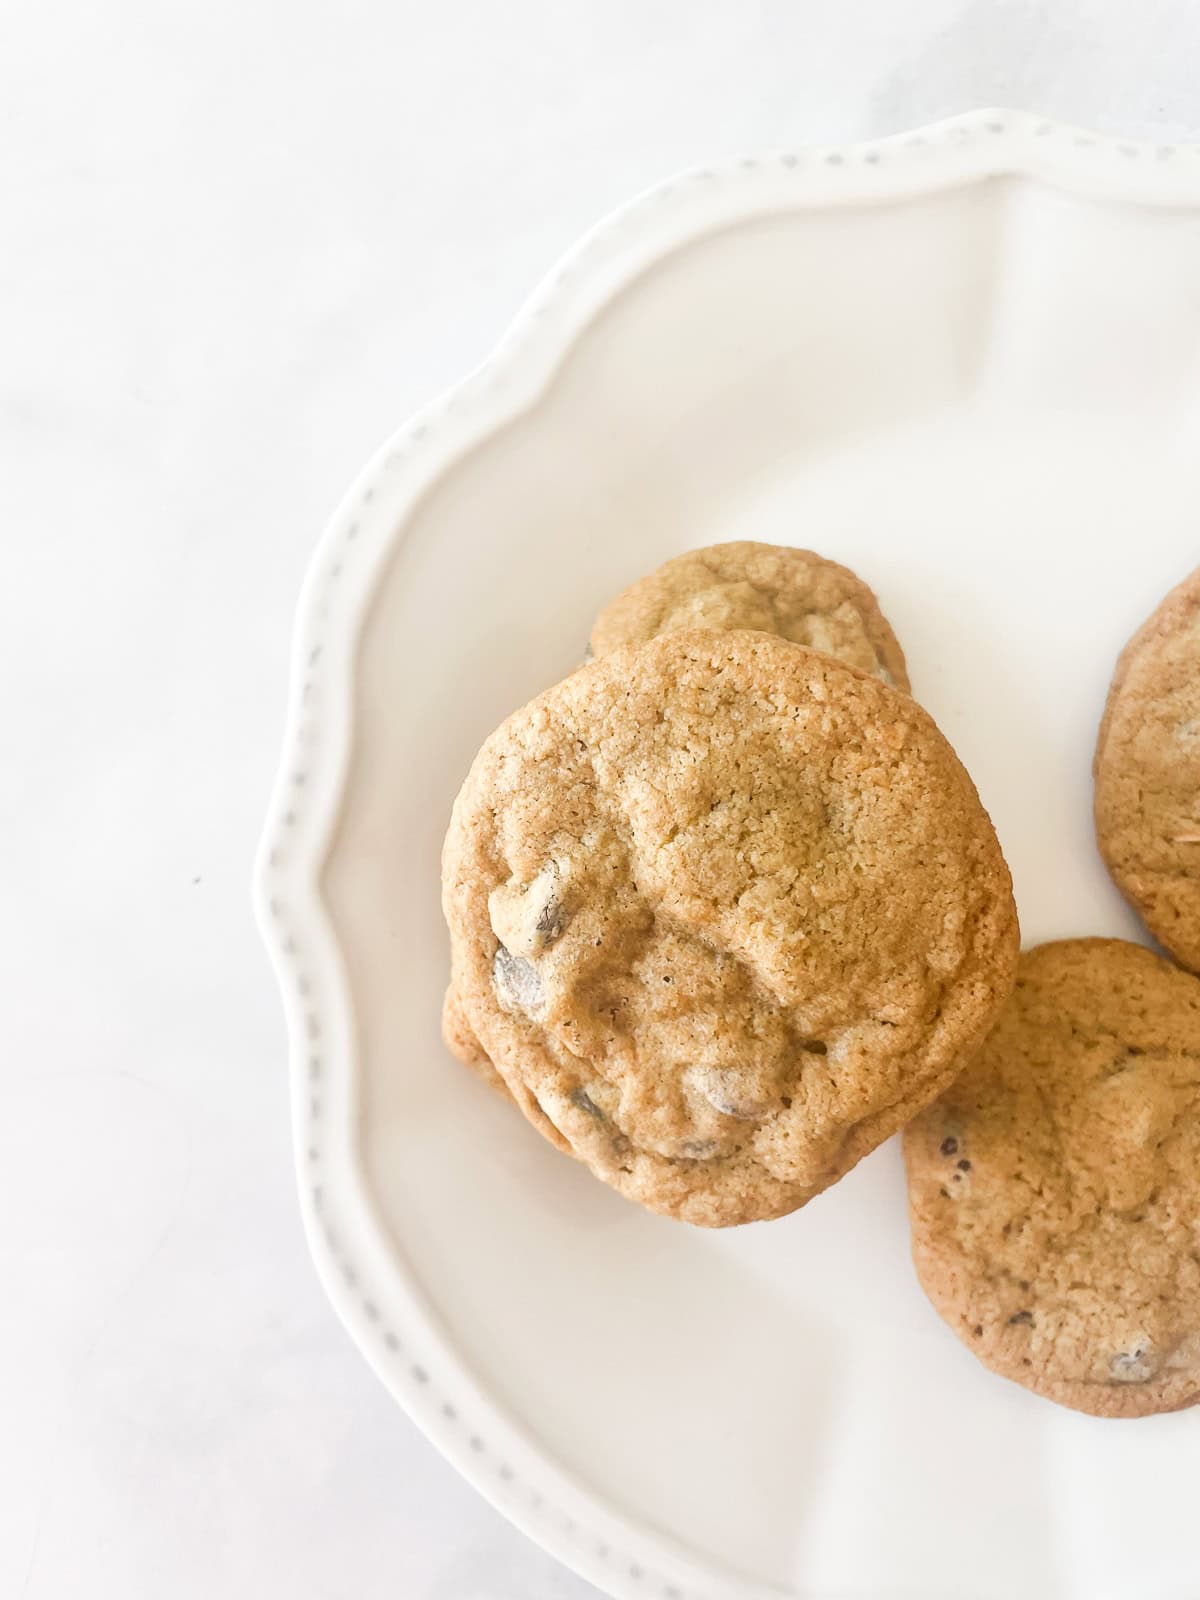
pixel 238 243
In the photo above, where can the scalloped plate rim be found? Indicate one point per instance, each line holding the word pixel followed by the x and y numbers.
pixel 565 1518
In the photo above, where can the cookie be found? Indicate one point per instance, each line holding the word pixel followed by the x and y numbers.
pixel 793 593
pixel 724 913
pixel 1054 1189
pixel 461 1041
pixel 773 588
pixel 1147 772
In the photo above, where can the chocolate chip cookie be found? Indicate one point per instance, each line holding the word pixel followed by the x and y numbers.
pixel 1147 771
pixel 771 588
pixel 724 913
pixel 461 1041
pixel 1055 1187
pixel 794 593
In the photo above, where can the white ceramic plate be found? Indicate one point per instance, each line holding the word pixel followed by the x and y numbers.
pixel 967 363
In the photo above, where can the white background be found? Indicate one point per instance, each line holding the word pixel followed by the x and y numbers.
pixel 238 243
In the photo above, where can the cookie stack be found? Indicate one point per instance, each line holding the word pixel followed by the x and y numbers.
pixel 726 912
pixel 725 909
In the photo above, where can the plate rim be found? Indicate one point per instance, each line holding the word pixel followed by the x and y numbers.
pixel 405 1345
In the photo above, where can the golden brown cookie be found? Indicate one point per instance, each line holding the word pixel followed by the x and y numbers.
pixel 1054 1188
pixel 771 588
pixel 726 913
pixel 1147 771
pixel 461 1041
pixel 794 593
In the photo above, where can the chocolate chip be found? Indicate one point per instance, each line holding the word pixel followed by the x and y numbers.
pixel 964 1165
pixel 977 1330
pixel 1021 1319
pixel 699 1149
pixel 815 1047
pixel 949 1146
pixel 528 917
pixel 583 1100
pixel 1135 1365
pixel 517 980
pixel 747 1111
pixel 551 922
pixel 727 1092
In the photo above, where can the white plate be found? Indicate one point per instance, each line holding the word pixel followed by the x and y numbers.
pixel 967 363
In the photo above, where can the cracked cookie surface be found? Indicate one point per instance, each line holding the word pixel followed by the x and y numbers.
pixel 770 588
pixel 1147 771
pixel 723 915
pixel 1054 1189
